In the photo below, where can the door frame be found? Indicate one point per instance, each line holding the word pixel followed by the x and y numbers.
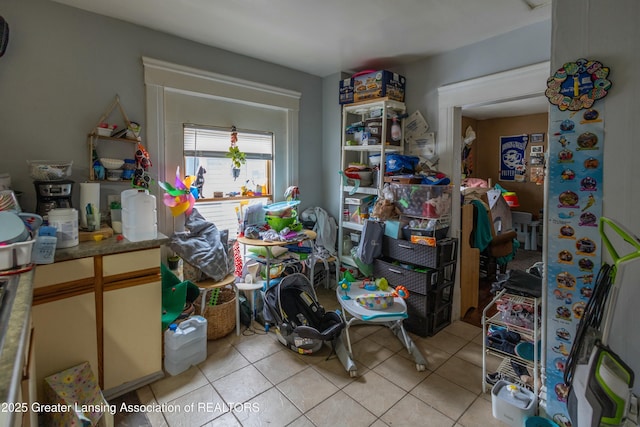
pixel 519 83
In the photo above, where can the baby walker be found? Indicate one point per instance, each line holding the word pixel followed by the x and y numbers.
pixel 360 303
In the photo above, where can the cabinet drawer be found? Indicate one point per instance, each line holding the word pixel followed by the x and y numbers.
pixel 426 256
pixel 414 281
pixel 61 272
pixel 131 261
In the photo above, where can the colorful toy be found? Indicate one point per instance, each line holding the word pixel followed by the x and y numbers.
pixel 180 199
pixel 369 285
pixel 345 285
pixel 382 284
pixel 292 193
pixel 400 292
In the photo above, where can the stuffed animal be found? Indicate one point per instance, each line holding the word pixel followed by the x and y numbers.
pixel 385 209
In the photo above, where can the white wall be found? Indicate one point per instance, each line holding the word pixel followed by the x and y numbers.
pixel 608 32
pixel 63 67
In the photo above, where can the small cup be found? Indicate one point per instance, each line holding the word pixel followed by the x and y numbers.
pixel 93 221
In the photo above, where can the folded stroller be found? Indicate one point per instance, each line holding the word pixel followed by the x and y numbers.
pixel 301 322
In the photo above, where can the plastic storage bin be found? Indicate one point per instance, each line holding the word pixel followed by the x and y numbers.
pixel 185 345
pixel 139 215
pixel 425 201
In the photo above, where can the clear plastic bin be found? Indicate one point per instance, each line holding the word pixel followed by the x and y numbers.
pixel 425 201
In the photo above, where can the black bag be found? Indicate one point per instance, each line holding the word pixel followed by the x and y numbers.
pixel 523 283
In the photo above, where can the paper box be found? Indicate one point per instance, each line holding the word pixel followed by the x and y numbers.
pixel 376 84
pixel 379 84
pixel 359 199
pixel 346 91
pixel 77 398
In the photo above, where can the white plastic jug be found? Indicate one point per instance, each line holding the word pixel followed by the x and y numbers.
pixel 65 220
pixel 185 345
pixel 139 215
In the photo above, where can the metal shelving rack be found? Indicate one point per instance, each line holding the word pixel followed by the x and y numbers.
pixel 528 334
pixel 352 113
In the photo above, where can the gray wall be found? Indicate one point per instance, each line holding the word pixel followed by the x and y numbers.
pixel 597 30
pixel 526 46
pixel 63 67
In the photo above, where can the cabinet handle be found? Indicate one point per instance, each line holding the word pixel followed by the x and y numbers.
pixel 405 246
pixel 395 271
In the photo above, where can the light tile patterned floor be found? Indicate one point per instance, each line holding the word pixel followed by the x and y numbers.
pixel 253 380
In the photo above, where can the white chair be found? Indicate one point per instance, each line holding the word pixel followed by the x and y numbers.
pixel 526 228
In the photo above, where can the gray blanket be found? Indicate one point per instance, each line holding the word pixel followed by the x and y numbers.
pixel 203 246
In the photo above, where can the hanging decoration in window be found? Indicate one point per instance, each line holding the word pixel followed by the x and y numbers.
pixel 238 158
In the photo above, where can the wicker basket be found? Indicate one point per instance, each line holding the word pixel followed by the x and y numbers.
pixel 221 318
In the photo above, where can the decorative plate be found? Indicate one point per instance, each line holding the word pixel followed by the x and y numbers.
pixel 577 85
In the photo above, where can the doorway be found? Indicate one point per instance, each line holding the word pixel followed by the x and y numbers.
pixel 514 85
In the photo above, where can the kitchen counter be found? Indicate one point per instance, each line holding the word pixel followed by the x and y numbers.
pixel 15 331
pixel 107 247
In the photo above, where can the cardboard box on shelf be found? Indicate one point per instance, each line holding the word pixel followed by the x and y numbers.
pixel 372 85
pixel 359 199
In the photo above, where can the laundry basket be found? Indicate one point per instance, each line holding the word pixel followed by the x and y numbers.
pixel 221 318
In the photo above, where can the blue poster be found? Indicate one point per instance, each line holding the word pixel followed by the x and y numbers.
pixel 574 246
pixel 512 157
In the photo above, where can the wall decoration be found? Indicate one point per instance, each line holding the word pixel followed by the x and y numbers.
pixel 512 157
pixel 536 138
pixel 578 85
pixel 536 175
pixel 574 170
pixel 537 149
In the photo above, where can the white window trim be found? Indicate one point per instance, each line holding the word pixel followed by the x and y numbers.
pixel 161 76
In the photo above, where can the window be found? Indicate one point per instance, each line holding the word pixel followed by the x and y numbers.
pixel 206 146
pixel 176 94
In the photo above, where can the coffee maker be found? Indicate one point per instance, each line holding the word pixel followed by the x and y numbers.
pixel 52 195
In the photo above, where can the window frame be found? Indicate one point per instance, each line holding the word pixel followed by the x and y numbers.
pixel 161 77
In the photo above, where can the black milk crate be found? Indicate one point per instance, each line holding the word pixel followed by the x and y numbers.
pixel 442 296
pixel 431 302
pixel 414 281
pixel 429 324
pixel 444 252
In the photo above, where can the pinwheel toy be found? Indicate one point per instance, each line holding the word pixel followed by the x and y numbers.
pixel 181 198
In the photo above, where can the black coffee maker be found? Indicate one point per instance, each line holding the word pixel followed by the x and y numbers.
pixel 52 195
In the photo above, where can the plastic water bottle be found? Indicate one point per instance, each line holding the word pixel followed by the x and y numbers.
pixel 139 215
pixel 185 345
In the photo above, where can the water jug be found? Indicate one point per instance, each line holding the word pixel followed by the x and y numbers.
pixel 139 215
pixel 185 345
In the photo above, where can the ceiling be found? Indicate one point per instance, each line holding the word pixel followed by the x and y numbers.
pixel 329 36
pixel 519 107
